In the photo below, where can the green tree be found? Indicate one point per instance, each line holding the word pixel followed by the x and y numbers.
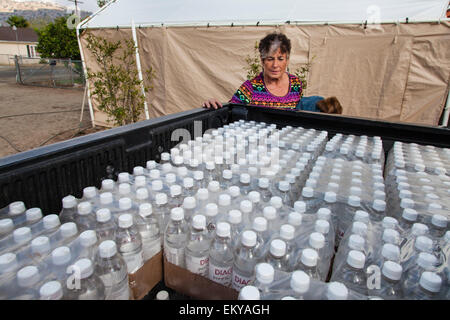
pixel 39 23
pixel 253 66
pixel 56 40
pixel 116 86
pixel 18 21
pixel 101 3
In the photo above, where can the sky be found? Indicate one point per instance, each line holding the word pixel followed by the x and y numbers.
pixel 87 5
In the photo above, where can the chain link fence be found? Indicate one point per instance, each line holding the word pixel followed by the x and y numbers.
pixel 54 73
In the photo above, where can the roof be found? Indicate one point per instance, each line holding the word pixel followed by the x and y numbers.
pixel 23 34
pixel 120 13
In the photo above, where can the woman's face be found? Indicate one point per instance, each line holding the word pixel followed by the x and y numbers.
pixel 275 64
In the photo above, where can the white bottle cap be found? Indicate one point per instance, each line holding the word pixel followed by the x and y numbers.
pixel 86 268
pixel 287 232
pixel 161 199
pixel 151 164
pixel 260 224
pixel 165 156
pixel 430 281
pixel 227 174
pixel 379 205
pixel 254 196
pixel 337 291
pixel 300 206
pixel 210 165
pixel 84 208
pixel 177 214
pixel 123 177
pixel 125 220
pixel 356 242
pixel 106 198
pixel 330 197
pixel 295 219
pixel 283 186
pixel 406 203
pixel 234 217
pixel 103 215
pixel 309 257
pixel 188 182
pixel 33 215
pixel 356 191
pixel 22 235
pixel 8 262
pixel 178 160
pixel 390 252
pixel 171 178
pixel 89 192
pixel 244 178
pixel 391 236
pixel 51 290
pixel 389 222
pixel 157 185
pixel 419 229
pixel 427 261
pixel 316 240
pixel 423 243
pixel 263 183
pixel 199 222
pixel 278 248
pixel 392 270
pixel 51 221
pixel 61 256
pixel 16 208
pixel 356 259
pixel 223 229
pixel 378 194
pixel 439 221
pixel 211 209
pixel 214 186
pixel 410 214
pixel 324 214
pixel 300 282
pixel 175 190
pixel 447 236
pixel 249 238
pixel 189 203
pixel 162 295
pixel 359 228
pixel 307 192
pixel 203 194
pixel 265 273
pixel 249 293
pixel 28 276
pixel 125 203
pixel 138 171
pixel 234 191
pixel 155 174
pixel 322 226
pixel 68 229
pixel 141 194
pixel 88 238
pixel 145 209
pixel 140 182
pixel 40 245
pixel 354 201
pixel 270 213
pixel 246 206
pixel 276 202
pixel 107 184
pixel 361 216
pixel 6 226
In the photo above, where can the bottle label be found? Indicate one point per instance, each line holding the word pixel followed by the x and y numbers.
pixel 197 265
pixel 240 281
pixel 174 255
pixel 221 275
pixel 151 247
pixel 133 261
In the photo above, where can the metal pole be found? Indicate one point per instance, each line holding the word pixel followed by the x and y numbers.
pixel 446 111
pixel 138 65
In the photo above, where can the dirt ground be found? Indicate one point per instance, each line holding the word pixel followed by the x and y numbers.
pixel 31 117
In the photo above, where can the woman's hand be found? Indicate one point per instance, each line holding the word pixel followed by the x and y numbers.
pixel 212 104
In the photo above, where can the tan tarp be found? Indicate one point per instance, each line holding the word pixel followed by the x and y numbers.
pixel 389 72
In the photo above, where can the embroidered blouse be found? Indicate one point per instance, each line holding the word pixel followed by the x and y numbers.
pixel 254 92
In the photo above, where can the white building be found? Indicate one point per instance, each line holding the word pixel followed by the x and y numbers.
pixel 21 42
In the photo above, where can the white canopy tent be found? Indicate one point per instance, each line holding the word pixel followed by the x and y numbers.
pixel 259 17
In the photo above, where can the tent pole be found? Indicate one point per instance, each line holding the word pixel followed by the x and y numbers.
pixel 83 63
pixel 446 111
pixel 139 68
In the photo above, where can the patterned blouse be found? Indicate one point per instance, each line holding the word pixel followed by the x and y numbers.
pixel 254 92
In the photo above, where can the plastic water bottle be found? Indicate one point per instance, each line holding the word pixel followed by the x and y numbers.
pixel 308 263
pixel 212 216
pixel 264 275
pixel 107 202
pixel 129 243
pixel 84 218
pixel 175 238
pixel 276 256
pixel 6 227
pixel 148 227
pixel 27 279
pixel 197 248
pixel 61 258
pixel 390 283
pixel 112 270
pixel 264 189
pixel 336 291
pixel 249 293
pixel 352 274
pixel 189 206
pixel 245 184
pixel 67 233
pixel 32 216
pixel 105 228
pixel 88 245
pixel 221 256
pixel 438 226
pixel 51 290
pixel 300 284
pixel 69 209
pixel 90 286
pixel 189 189
pixel 244 261
pixel 429 287
pixel 423 262
pixel 161 210
pixel 90 194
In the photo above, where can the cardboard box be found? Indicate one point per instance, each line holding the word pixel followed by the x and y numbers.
pixel 194 285
pixel 143 280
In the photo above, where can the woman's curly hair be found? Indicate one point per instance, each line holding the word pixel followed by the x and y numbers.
pixel 272 42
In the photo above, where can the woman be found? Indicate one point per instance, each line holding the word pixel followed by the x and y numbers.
pixel 274 87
